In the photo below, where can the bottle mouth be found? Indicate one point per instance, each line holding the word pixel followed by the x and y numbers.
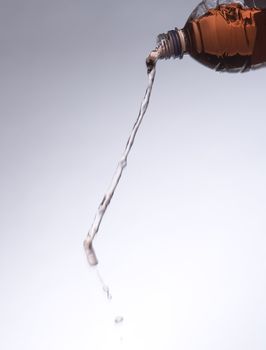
pixel 169 45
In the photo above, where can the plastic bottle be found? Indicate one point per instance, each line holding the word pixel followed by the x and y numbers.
pixel 223 35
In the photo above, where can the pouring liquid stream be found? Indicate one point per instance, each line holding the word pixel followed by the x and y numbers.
pixel 91 256
pixel 118 319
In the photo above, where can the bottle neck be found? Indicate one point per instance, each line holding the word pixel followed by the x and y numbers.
pixel 172 44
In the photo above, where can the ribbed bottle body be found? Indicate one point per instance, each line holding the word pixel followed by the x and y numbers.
pixel 229 37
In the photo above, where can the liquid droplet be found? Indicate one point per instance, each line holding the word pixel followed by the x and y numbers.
pixel 119 319
pixel 107 292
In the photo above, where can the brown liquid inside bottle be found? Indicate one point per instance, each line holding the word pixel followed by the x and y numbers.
pixel 228 37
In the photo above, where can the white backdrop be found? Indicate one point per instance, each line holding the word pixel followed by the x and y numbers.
pixel 182 246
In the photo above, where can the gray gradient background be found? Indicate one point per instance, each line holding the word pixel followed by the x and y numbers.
pixel 183 244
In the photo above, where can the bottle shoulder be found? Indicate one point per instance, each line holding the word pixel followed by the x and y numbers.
pixel 206 5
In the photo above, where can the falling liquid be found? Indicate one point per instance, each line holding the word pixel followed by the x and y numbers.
pixel 118 173
pixel 119 323
pixel 104 285
pixel 91 257
pixel 119 319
